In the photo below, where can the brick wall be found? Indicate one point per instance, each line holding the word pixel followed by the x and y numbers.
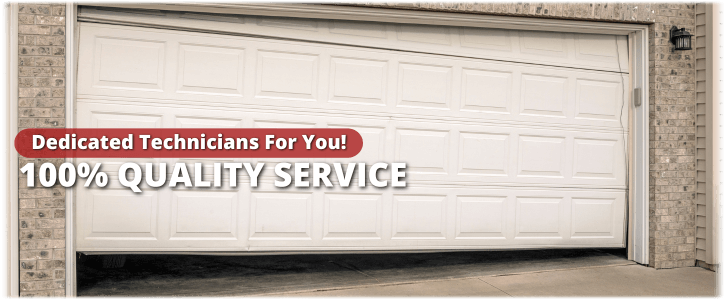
pixel 630 12
pixel 41 91
pixel 672 105
pixel 672 141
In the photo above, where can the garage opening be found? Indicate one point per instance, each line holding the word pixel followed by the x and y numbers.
pixel 284 275
pixel 513 139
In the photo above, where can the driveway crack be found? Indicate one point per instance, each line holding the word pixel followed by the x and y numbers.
pixel 353 268
pixel 484 281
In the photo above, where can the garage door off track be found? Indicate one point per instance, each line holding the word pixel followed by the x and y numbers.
pixel 513 139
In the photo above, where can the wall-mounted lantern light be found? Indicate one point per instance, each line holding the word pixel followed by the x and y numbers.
pixel 681 38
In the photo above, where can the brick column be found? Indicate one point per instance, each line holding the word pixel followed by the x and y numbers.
pixel 672 141
pixel 41 92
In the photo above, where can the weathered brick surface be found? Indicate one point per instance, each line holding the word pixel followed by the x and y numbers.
pixel 41 103
pixel 672 141
pixel 41 72
pixel 630 12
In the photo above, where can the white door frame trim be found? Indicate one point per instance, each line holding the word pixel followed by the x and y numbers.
pixel 13 243
pixel 640 146
pixel 71 11
pixel 638 39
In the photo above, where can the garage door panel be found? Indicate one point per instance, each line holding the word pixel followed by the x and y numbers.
pixel 374 139
pixel 412 218
pixel 200 215
pixel 421 85
pixel 541 156
pixel 424 86
pixel 544 44
pixel 486 91
pixel 600 48
pixel 500 154
pixel 419 216
pixel 209 70
pixel 353 216
pixel 288 23
pixel 281 216
pixel 116 216
pixel 482 217
pixel 99 116
pixel 193 118
pixel 110 119
pixel 435 151
pixel 543 95
pixel 496 155
pixel 129 64
pixel 484 154
pixel 287 75
pixel 282 121
pixel 591 217
pixel 594 99
pixel 354 28
pixel 486 38
pixel 596 158
pixel 591 51
pixel 424 151
pixel 540 217
pixel 166 233
pixel 203 121
pixel 358 81
pixel 176 70
pixel 378 139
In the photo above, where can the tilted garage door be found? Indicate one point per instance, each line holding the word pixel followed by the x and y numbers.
pixel 513 139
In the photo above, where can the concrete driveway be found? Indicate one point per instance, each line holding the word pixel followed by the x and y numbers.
pixel 587 272
pixel 626 280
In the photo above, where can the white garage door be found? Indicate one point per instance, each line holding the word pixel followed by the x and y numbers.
pixel 513 139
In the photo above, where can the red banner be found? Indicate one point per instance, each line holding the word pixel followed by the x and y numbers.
pixel 189 143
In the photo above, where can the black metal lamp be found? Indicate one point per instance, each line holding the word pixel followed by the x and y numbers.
pixel 681 38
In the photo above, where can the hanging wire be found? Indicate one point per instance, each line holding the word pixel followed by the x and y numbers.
pixel 622 126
